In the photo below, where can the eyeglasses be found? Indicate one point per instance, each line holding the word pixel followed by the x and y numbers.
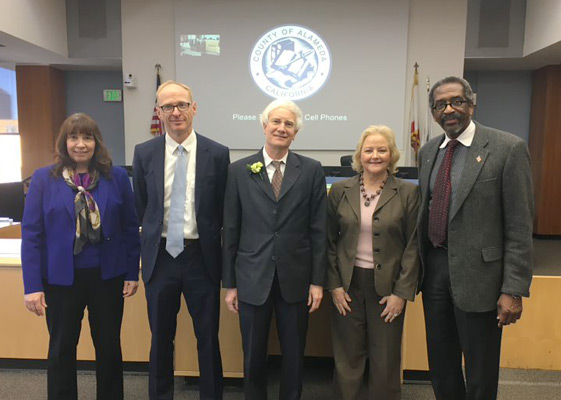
pixel 455 103
pixel 168 108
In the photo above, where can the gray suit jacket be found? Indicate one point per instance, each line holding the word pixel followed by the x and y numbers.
pixel 262 235
pixel 490 223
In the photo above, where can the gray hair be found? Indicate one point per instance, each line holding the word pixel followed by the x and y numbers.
pixel 286 104
pixel 468 92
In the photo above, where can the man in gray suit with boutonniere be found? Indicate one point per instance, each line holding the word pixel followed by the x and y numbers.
pixel 475 237
pixel 275 249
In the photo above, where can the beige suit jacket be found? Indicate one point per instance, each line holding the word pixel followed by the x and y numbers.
pixel 395 248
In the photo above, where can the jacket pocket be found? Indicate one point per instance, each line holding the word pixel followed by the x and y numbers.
pixel 492 253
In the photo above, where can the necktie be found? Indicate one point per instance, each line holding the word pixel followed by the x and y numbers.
pixel 276 182
pixel 438 214
pixel 174 241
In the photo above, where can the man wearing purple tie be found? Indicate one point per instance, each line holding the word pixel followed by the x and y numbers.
pixel 475 241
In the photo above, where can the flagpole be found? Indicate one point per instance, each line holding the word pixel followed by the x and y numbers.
pixel 414 134
pixel 428 119
pixel 156 126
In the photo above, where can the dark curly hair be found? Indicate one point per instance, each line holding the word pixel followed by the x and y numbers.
pixel 75 124
pixel 468 91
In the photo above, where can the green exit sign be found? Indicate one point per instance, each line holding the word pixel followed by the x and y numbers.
pixel 112 95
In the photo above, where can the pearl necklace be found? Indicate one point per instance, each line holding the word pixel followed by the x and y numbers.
pixel 369 198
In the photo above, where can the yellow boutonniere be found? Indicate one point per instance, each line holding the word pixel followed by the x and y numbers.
pixel 255 168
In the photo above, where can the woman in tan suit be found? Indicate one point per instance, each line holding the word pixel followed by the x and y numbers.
pixel 373 267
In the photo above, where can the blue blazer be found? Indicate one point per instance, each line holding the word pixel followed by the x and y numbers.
pixel 210 183
pixel 49 227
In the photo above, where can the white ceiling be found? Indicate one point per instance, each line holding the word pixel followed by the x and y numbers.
pixel 20 52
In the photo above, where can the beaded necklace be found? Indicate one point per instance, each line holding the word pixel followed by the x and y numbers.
pixel 369 198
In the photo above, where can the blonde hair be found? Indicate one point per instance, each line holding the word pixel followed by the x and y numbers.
pixel 387 134
pixel 169 83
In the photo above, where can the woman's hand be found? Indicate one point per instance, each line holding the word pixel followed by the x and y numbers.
pixel 129 288
pixel 394 307
pixel 341 299
pixel 35 302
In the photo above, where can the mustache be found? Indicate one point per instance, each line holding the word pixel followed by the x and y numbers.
pixel 447 117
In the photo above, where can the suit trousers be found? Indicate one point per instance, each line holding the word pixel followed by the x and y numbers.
pixel 104 299
pixel 171 277
pixel 292 327
pixel 362 334
pixel 452 332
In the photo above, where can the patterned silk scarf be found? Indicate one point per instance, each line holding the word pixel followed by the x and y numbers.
pixel 88 220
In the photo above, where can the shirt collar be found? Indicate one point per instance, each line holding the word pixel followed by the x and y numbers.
pixel 187 144
pixel 268 159
pixel 465 138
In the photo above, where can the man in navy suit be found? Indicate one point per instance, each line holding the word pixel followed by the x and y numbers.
pixel 275 249
pixel 196 270
pixel 475 242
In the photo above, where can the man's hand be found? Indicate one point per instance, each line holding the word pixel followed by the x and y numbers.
pixel 394 307
pixel 129 288
pixel 231 299
pixel 314 297
pixel 341 299
pixel 509 309
pixel 35 302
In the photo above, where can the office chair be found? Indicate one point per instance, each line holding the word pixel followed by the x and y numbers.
pixel 346 161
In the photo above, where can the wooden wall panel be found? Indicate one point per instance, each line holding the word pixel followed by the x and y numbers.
pixel 41 110
pixel 545 149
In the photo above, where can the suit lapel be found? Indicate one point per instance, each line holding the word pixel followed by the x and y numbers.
pixel 429 156
pixel 261 179
pixel 292 172
pixel 389 191
pixel 200 170
pixel 158 154
pixel 352 193
pixel 102 193
pixel 476 157
pixel 67 196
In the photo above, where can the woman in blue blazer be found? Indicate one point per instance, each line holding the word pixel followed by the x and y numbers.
pixel 80 248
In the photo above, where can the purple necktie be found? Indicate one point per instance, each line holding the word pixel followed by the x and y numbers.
pixel 438 213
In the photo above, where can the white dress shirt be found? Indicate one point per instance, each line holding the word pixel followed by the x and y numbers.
pixel 190 222
pixel 465 138
pixel 270 167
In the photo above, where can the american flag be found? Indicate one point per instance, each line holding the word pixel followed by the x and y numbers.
pixel 156 126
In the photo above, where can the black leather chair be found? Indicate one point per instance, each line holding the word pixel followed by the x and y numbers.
pixel 346 161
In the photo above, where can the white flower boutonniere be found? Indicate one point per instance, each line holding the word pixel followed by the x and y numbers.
pixel 255 168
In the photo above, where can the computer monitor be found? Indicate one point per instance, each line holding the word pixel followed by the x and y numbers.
pixel 334 174
pixel 11 200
